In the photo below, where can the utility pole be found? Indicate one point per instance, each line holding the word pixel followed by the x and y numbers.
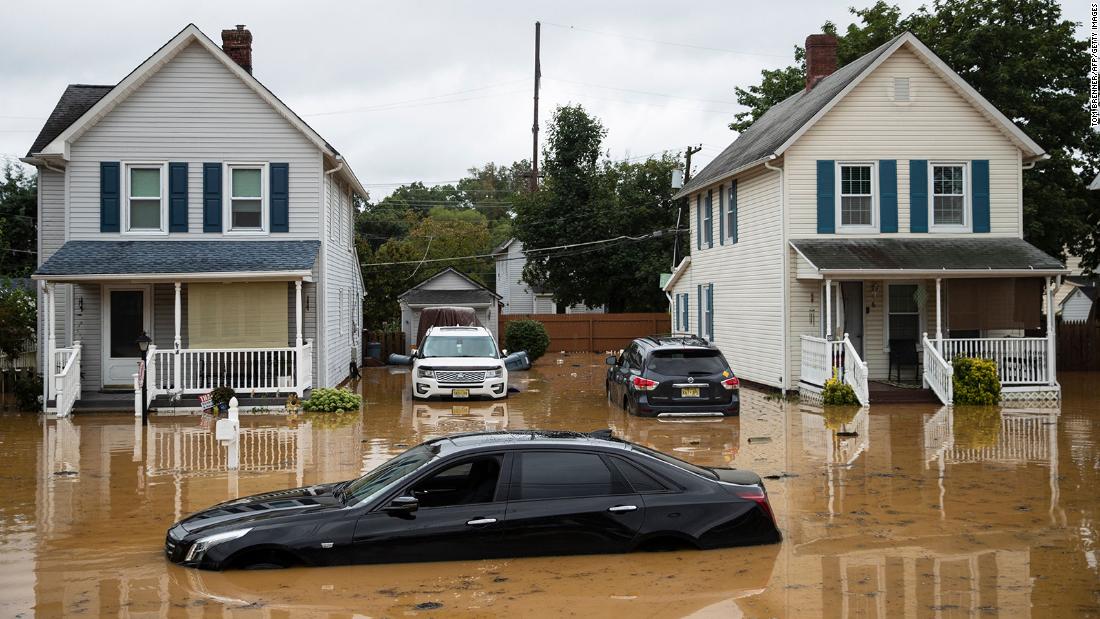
pixel 533 185
pixel 691 150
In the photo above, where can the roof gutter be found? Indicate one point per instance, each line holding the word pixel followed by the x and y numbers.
pixel 688 189
pixel 305 275
pixel 942 272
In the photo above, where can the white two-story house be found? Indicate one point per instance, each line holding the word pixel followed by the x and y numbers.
pixel 516 295
pixel 188 203
pixel 871 227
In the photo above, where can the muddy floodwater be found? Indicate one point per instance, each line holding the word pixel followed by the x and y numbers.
pixel 892 511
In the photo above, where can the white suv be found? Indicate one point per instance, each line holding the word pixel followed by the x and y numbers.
pixel 460 363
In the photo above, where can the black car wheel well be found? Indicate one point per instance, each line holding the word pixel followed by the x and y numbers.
pixel 263 558
pixel 665 541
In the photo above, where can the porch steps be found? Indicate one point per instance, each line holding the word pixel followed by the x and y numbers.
pixel 104 402
pixel 882 393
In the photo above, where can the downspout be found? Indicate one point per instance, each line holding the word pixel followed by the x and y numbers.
pixel 785 322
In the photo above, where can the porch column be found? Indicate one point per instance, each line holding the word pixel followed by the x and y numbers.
pixel 1052 361
pixel 177 368
pixel 48 371
pixel 298 313
pixel 939 316
pixel 829 309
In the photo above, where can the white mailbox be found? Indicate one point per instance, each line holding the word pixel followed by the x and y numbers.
pixel 227 429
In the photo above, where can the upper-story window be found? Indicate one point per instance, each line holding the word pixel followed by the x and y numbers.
pixel 856 197
pixel 949 196
pixel 146 208
pixel 708 221
pixel 246 212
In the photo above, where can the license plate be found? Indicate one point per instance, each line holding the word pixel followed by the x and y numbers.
pixel 460 410
pixel 689 392
pixel 465 393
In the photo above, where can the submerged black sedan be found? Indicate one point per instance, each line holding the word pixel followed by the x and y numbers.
pixel 487 495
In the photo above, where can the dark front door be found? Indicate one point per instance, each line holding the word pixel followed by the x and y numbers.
pixel 460 516
pixel 127 317
pixel 852 294
pixel 565 502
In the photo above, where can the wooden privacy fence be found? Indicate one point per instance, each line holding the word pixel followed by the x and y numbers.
pixel 593 332
pixel 393 342
pixel 1079 345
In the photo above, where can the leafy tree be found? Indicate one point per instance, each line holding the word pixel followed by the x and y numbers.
pixel 18 233
pixel 1024 58
pixel 586 197
pixel 17 318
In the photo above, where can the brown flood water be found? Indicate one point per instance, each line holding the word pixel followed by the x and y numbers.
pixel 899 511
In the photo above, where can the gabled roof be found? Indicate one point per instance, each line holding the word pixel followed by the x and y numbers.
pixel 1089 292
pixel 72 118
pixel 774 132
pixel 958 256
pixel 677 273
pixel 500 249
pixel 187 259
pixel 476 285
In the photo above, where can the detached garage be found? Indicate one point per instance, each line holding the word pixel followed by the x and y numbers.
pixel 448 288
pixel 1077 306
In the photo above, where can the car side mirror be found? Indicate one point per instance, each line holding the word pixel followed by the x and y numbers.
pixel 402 505
pixel 504 351
pixel 611 360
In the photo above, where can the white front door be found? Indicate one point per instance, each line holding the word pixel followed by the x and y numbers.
pixel 127 313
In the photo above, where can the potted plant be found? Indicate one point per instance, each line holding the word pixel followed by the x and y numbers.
pixel 221 397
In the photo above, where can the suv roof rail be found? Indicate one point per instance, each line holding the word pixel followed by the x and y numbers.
pixel 662 339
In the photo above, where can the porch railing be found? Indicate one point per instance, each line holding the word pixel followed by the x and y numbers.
pixel 822 359
pixel 191 371
pixel 65 366
pixel 1020 360
pixel 938 372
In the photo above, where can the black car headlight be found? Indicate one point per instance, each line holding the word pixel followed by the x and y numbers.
pixel 198 549
pixel 425 373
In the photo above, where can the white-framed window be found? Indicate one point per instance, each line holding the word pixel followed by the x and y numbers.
pixel 856 192
pixel 903 315
pixel 246 194
pixel 949 196
pixel 146 201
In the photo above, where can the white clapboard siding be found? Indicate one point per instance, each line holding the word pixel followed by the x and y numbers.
pixel 51 236
pixel 341 280
pixel 194 110
pixel 936 124
pixel 747 278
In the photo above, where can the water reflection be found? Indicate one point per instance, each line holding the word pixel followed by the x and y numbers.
pixel 908 510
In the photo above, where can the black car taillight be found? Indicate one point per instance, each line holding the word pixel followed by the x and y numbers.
pixel 757 495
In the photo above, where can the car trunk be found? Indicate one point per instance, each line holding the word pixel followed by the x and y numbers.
pixel 688 377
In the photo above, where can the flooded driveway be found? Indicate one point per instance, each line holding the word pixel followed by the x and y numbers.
pixel 896 511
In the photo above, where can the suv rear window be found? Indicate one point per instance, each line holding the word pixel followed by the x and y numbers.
pixel 684 362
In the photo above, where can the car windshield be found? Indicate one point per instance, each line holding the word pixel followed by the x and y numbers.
pixel 391 471
pixel 458 346
pixel 687 466
pixel 685 362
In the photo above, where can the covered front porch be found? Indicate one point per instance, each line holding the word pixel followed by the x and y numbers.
pixel 244 317
pixel 894 313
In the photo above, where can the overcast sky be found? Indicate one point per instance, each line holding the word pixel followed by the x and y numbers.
pixel 415 90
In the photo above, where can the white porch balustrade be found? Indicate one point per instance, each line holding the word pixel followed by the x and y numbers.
pixel 65 369
pixel 1020 360
pixel 822 359
pixel 192 371
pixel 938 373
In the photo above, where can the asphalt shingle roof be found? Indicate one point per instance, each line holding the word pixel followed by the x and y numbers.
pixel 151 257
pixel 77 99
pixel 420 296
pixel 781 121
pixel 963 254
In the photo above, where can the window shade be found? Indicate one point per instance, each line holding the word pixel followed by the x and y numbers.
pixel 1009 303
pixel 237 315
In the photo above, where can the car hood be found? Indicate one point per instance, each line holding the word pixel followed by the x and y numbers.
pixel 261 507
pixel 459 362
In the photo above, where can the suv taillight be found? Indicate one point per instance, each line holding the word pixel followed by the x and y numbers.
pixel 643 384
pixel 732 383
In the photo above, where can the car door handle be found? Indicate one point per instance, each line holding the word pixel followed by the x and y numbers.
pixel 476 522
pixel 622 508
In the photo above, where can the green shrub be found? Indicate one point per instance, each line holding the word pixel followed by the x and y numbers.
pixel 976 381
pixel 222 395
pixel 28 392
pixel 839 393
pixel 332 401
pixel 527 335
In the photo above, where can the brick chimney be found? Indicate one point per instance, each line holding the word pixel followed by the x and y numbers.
pixel 820 58
pixel 238 44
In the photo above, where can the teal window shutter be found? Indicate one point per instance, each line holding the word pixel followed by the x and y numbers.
pixel 708 230
pixel 211 197
pixel 677 314
pixel 888 195
pixel 699 307
pixel 979 169
pixel 826 196
pixel 721 216
pixel 687 314
pixel 110 199
pixel 918 195
pixel 710 312
pixel 177 197
pixel 733 212
pixel 699 221
pixel 280 197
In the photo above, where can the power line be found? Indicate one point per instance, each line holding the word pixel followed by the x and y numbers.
pixel 672 43
pixel 643 92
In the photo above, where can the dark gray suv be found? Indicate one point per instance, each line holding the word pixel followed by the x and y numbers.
pixel 673 376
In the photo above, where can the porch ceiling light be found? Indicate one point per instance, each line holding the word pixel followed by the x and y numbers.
pixel 143 342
